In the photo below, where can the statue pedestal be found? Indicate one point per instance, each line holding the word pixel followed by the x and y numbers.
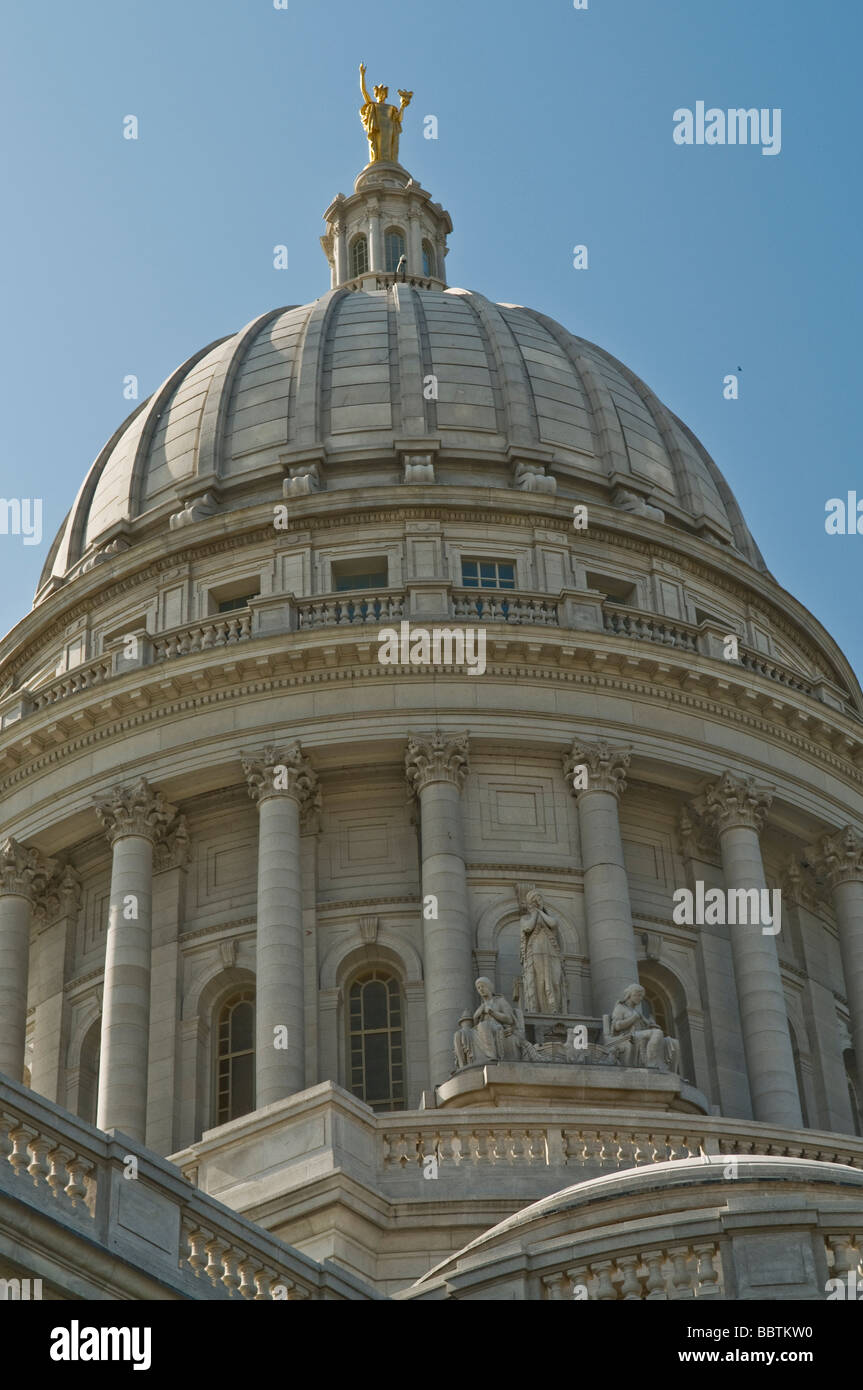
pixel 537 1086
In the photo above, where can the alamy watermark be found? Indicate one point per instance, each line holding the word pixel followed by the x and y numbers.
pixel 714 907
pixel 737 126
pixel 436 646
pixel 22 516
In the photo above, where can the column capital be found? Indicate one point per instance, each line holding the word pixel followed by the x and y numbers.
pixel 838 857
pixel 173 849
pixel 23 871
pixel 734 801
pixel 607 765
pixel 282 772
pixel 61 896
pixel 436 757
pixel 135 810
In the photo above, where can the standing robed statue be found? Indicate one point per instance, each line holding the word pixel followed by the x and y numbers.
pixel 382 122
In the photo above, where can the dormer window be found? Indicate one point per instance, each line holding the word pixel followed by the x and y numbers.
pixel 395 247
pixel 359 256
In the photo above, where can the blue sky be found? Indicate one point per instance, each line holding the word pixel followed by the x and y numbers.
pixel 555 128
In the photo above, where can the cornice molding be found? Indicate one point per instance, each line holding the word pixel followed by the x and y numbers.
pixel 672 695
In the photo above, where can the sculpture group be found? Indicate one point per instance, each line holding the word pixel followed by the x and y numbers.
pixel 495 1030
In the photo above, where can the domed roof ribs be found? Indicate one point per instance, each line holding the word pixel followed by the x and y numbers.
pixel 407 307
pixel 520 423
pixel 743 537
pixel 73 550
pixel 609 439
pixel 157 404
pixel 307 413
pixel 218 399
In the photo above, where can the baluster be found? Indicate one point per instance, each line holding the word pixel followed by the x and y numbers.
pixel 457 1147
pixel 706 1273
pixel 655 1281
pixel 605 1290
pixel 555 1286
pixel 230 1261
pixel 7 1124
pixel 578 1276
pixel 77 1188
pixel 477 1148
pixel 58 1176
pixel 247 1285
pixel 263 1284
pixel 536 1149
pixel 844 1255
pixel 196 1241
pixel 680 1274
pixel 630 1283
pixel 19 1158
pixel 215 1248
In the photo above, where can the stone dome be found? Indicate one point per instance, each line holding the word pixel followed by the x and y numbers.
pixel 363 376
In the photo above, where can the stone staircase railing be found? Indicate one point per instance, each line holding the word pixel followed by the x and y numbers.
pixel 116 1193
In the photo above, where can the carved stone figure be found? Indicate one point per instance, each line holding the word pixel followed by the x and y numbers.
pixel 541 958
pixel 635 1038
pixel 382 122
pixel 494 1033
pixel 631 502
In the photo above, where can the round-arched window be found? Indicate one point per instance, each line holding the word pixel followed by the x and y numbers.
pixel 429 260
pixel 359 256
pixel 376 1065
pixel 394 247
pixel 235 1058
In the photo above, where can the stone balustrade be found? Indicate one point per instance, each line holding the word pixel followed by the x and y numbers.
pixel 662 1272
pixel 595 1144
pixel 386 607
pixel 221 631
pixel 647 627
pixel 503 606
pixel 340 610
pixel 79 679
pixel 61 1178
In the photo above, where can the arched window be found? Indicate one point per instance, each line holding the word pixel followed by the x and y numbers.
pixel 854 1097
pixel 429 262
pixel 394 247
pixel 376 1063
pixel 235 1058
pixel 798 1075
pixel 658 1007
pixel 359 256
pixel 88 1072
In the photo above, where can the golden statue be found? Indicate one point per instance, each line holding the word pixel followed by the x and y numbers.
pixel 382 122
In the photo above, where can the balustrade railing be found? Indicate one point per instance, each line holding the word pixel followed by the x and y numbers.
pixel 647 627
pixel 72 683
pixel 503 606
pixel 664 1272
pixel 221 631
pixel 355 610
pixel 61 1166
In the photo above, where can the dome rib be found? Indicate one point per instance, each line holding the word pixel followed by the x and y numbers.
pixel 220 393
pixel 307 421
pixel 520 423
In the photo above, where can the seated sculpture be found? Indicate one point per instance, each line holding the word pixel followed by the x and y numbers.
pixel 493 1033
pixel 635 1039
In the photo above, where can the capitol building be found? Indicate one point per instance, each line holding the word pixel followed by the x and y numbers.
pixel 331 973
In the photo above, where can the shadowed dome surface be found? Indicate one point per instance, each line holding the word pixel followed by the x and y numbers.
pixel 344 380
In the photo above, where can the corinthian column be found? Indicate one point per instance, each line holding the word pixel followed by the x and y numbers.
pixel 737 808
pixel 283 785
pixel 23 874
pixel 436 767
pixel 134 818
pixel 839 858
pixel 596 774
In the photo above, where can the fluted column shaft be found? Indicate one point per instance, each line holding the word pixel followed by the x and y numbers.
pixel 738 808
pixel 282 784
pixel 840 858
pixel 436 768
pixel 134 818
pixel 596 774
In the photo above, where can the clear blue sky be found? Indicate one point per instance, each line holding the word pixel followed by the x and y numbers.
pixel 555 128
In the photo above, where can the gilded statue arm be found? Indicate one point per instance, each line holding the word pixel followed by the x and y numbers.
pixel 405 100
pixel 366 98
